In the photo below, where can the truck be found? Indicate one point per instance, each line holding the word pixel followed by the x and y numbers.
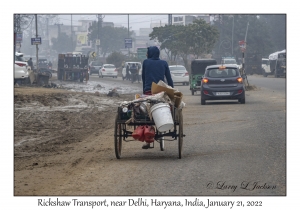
pixel 72 67
pixel 276 64
pixel 253 63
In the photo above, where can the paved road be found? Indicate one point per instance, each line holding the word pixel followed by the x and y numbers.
pixel 229 149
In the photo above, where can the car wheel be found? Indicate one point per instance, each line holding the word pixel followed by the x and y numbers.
pixel 192 92
pixel 242 100
pixel 202 101
pixel 186 83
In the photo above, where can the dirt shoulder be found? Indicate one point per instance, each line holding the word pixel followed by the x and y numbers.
pixel 55 131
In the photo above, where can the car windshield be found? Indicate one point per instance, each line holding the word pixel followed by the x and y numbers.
pixel 109 66
pixel 19 58
pixel 229 61
pixel 216 73
pixel 174 68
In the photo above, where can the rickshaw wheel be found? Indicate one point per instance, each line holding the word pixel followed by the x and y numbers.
pixel 180 132
pixel 118 138
pixel 162 144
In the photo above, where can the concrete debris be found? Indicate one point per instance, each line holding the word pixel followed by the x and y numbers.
pixel 113 93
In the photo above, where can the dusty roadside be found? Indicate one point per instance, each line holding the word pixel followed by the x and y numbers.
pixel 56 134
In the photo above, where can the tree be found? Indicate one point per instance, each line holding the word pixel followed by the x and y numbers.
pixel 196 39
pixel 63 43
pixel 260 35
pixel 111 39
pixel 115 58
pixel 202 37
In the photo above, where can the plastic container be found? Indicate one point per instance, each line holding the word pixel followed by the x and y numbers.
pixel 162 117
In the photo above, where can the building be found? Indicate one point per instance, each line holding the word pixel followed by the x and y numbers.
pixel 188 19
pixel 160 24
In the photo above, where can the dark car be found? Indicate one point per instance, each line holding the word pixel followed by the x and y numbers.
pixel 222 82
pixel 94 67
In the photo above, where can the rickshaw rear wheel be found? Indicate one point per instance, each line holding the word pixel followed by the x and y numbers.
pixel 118 138
pixel 180 132
pixel 162 144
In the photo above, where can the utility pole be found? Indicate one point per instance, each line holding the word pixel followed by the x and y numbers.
pixel 47 29
pixel 37 48
pixel 128 37
pixel 232 35
pixel 72 33
pixel 100 18
pixel 170 19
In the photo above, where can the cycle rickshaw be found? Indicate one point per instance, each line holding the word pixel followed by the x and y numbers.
pixel 129 117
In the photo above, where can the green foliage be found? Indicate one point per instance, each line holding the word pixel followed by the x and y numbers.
pixel 63 43
pixel 196 39
pixel 111 39
pixel 266 34
pixel 115 58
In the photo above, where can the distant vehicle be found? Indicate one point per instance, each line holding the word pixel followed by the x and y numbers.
pixel 265 65
pixel 253 63
pixel 198 67
pixel 278 63
pixel 108 70
pixel 222 82
pixel 179 74
pixel 20 68
pixel 19 59
pixel 94 67
pixel 230 60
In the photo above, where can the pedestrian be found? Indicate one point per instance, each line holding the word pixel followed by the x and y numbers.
pixel 127 71
pixel 30 63
pixel 134 72
pixel 153 70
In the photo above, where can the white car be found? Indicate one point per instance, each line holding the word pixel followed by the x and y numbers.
pixel 179 74
pixel 108 70
pixel 230 60
pixel 21 68
pixel 130 63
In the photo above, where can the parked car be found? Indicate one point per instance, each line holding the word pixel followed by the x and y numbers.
pixel 20 73
pixel 179 74
pixel 108 70
pixel 222 82
pixel 20 68
pixel 19 59
pixel 94 67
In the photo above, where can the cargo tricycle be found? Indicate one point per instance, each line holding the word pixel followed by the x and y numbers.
pixel 164 119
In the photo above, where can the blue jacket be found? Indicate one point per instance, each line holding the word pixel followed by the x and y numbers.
pixel 155 69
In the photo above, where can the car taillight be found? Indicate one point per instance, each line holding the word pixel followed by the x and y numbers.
pixel 116 70
pixel 21 64
pixel 186 74
pixel 240 91
pixel 103 69
pixel 205 80
pixel 205 92
pixel 240 80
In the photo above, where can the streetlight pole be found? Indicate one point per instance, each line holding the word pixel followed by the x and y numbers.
pixel 232 35
pixel 128 37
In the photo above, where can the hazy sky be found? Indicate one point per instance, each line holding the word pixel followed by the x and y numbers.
pixel 135 21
